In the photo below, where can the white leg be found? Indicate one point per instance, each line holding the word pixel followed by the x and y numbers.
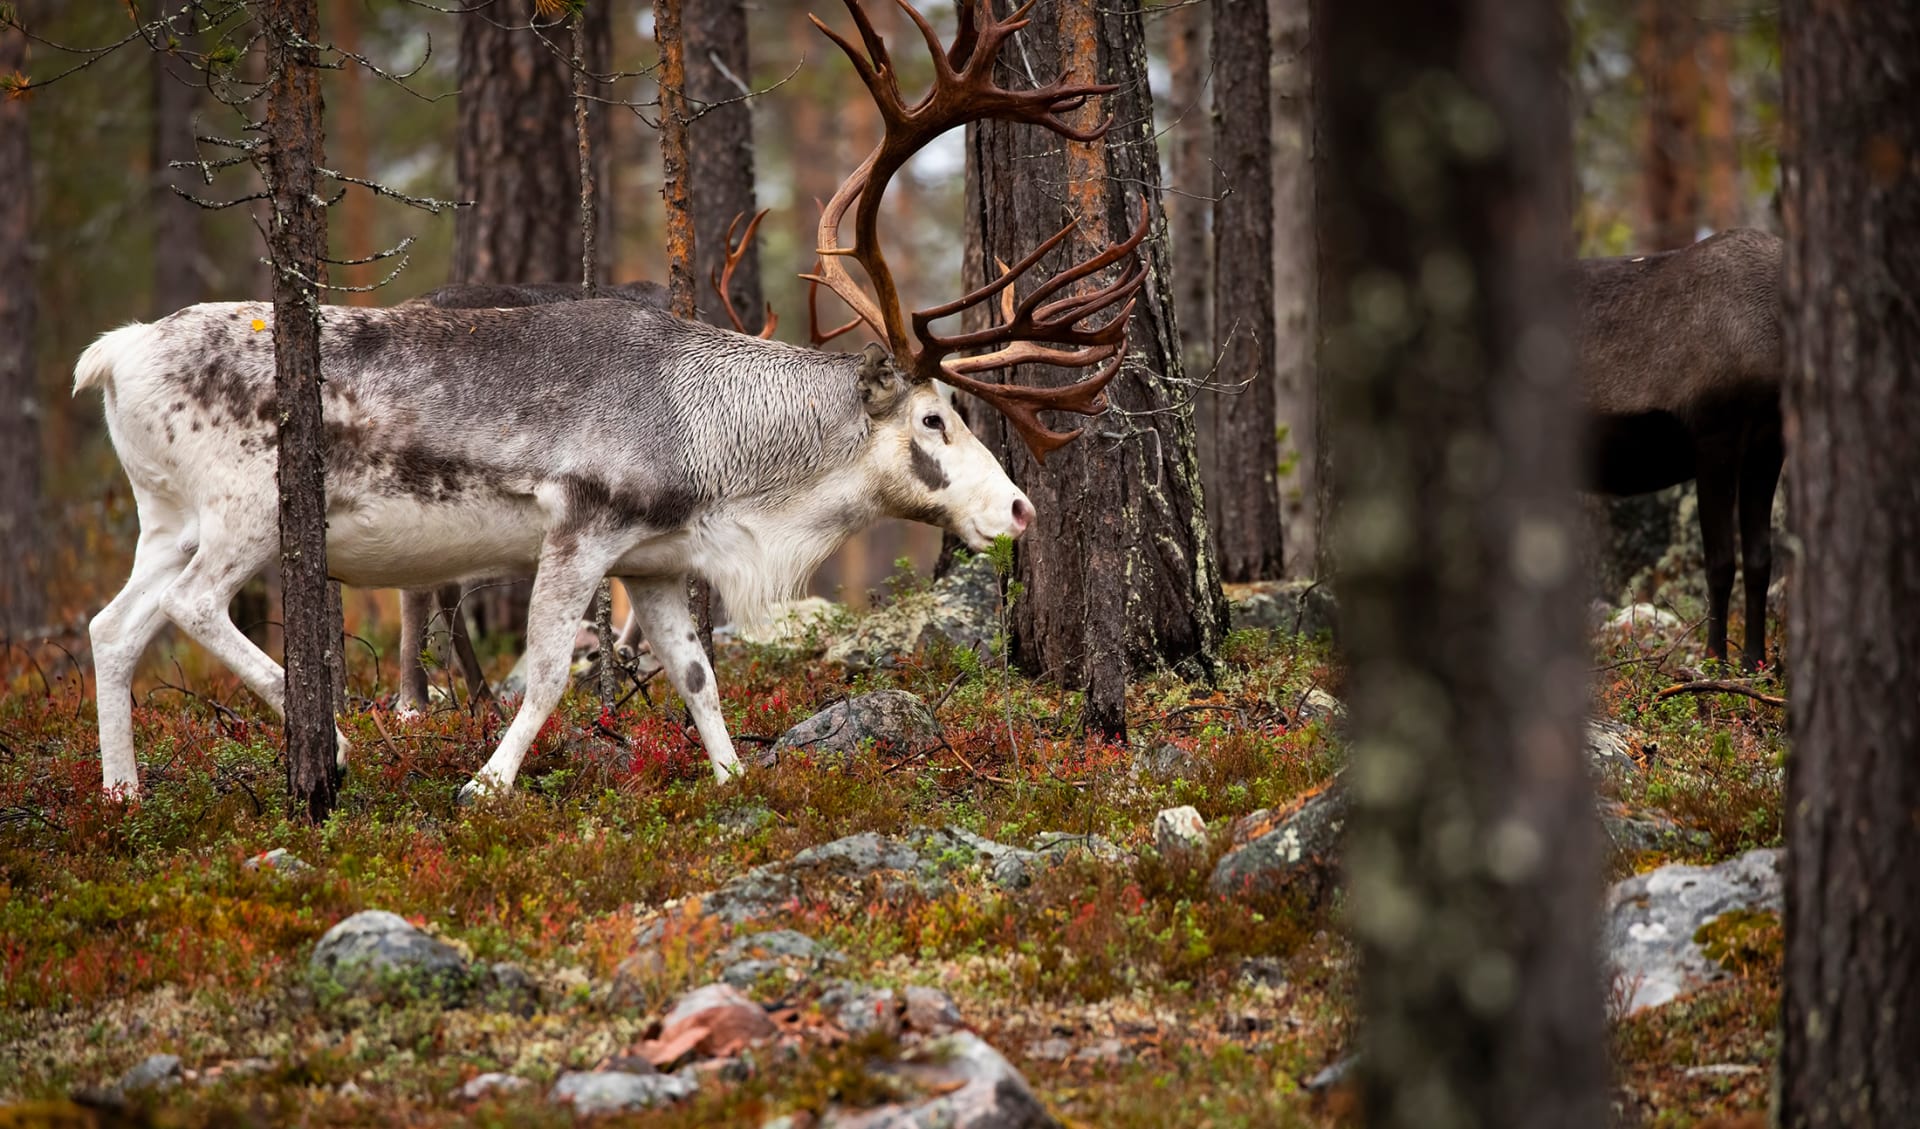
pixel 197 604
pixel 631 633
pixel 562 586
pixel 120 636
pixel 661 607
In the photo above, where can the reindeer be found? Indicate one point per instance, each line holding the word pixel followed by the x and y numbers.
pixel 1680 358
pixel 584 439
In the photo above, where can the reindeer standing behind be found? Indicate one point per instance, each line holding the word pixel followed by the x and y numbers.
pixel 1681 362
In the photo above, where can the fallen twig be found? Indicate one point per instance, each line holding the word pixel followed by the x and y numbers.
pixel 1719 686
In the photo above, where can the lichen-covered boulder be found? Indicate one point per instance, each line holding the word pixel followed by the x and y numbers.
pixel 1295 851
pixel 891 721
pixel 970 1086
pixel 961 609
pixel 1653 920
pixel 592 1092
pixel 1294 607
pixel 376 953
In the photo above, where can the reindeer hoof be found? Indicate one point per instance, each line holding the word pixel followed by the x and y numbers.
pixel 471 793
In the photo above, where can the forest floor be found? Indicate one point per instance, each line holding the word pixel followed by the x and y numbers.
pixel 1124 991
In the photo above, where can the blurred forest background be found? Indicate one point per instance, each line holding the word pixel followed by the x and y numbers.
pixel 1676 136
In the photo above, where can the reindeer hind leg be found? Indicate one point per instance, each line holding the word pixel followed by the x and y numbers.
pixel 1759 478
pixel 120 635
pixel 1718 474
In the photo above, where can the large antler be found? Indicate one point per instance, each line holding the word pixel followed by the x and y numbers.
pixel 722 278
pixel 1043 328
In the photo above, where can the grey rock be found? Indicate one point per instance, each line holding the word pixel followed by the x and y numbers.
pixel 1643 619
pixel 931 1011
pixel 1160 763
pixel 1106 1051
pixel 796 625
pixel 155 1072
pixel 482 1085
pixel 375 952
pixel 775 944
pixel 1652 919
pixel 1319 706
pixel 1301 853
pixel 1180 835
pixel 510 988
pixel 1333 1075
pixel 279 860
pixel 1610 746
pixel 961 609
pixel 1633 830
pixel 748 974
pixel 1296 607
pixel 861 1010
pixel 1009 867
pixel 982 1091
pixel 592 1092
pixel 1058 845
pixel 1051 1049
pixel 892 721
pixel 1263 972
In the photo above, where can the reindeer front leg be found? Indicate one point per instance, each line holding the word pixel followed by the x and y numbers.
pixel 569 571
pixel 660 607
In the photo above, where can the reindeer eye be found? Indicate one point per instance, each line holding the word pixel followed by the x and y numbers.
pixel 935 422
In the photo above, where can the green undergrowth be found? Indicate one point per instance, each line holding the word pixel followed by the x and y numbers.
pixel 132 930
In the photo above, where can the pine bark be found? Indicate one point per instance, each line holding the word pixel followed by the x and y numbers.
pixel 720 154
pixel 1850 1044
pixel 518 161
pixel 297 245
pixel 1472 854
pixel 1295 415
pixel 22 594
pixel 1189 198
pixel 1118 567
pixel 1670 156
pixel 1243 491
pixel 178 250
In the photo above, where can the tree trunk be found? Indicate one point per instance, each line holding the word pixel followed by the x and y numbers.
pixel 1721 148
pixel 23 606
pixel 1670 159
pixel 1472 851
pixel 1189 203
pixel 1850 1044
pixel 178 250
pixel 519 163
pixel 720 154
pixel 1118 567
pixel 1293 283
pixel 1243 491
pixel 350 129
pixel 682 241
pixel 297 245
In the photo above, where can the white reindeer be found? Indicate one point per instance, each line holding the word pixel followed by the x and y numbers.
pixel 587 439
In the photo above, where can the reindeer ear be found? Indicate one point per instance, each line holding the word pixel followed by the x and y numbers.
pixel 881 385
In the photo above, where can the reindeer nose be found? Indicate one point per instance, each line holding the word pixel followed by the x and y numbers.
pixel 1022 514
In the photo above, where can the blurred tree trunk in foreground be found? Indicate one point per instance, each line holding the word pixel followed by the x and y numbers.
pixel 1243 492
pixel 1850 1046
pixel 1119 571
pixel 22 593
pixel 1472 852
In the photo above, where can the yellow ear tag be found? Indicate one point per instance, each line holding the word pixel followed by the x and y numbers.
pixel 258 325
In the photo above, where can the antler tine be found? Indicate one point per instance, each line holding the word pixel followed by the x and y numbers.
pixel 814 333
pixel 722 277
pixel 1022 405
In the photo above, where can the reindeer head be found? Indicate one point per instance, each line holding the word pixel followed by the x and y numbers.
pixel 932 467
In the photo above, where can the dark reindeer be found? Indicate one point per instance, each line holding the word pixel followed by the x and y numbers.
pixel 579 440
pixel 1680 359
